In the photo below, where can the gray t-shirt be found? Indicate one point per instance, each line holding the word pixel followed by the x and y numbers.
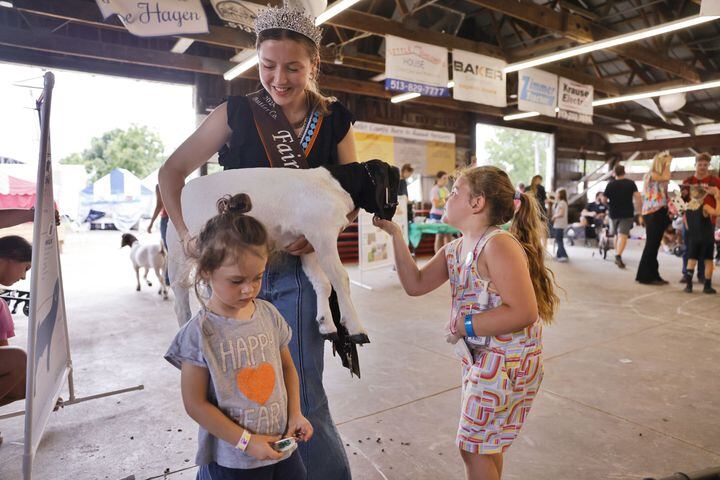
pixel 246 376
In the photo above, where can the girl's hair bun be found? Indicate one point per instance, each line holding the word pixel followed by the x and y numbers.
pixel 239 203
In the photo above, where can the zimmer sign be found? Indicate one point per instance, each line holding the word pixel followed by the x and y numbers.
pixel 537 91
pixel 575 101
pixel 478 78
pixel 157 18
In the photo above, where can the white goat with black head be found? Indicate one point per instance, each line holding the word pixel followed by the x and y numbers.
pixel 291 202
pixel 147 257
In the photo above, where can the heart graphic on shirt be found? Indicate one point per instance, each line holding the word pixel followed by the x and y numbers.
pixel 257 383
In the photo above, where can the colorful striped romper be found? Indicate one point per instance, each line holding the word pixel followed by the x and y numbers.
pixel 501 375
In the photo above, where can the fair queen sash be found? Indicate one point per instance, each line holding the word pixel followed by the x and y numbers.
pixel 282 147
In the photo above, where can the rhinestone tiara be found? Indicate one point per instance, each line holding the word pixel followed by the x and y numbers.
pixel 288 18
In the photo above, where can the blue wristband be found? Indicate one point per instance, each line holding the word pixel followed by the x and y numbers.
pixel 469 326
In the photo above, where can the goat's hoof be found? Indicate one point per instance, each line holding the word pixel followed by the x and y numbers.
pixel 137 289
pixel 149 284
pixel 359 338
pixel 332 337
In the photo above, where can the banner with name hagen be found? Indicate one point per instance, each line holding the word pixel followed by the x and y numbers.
pixel 710 7
pixel 478 78
pixel 575 101
pixel 415 67
pixel 157 18
pixel 537 91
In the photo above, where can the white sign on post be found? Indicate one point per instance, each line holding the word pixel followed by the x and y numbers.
pixel 478 78
pixel 157 18
pixel 709 8
pixel 375 246
pixel 537 91
pixel 415 67
pixel 575 101
pixel 48 351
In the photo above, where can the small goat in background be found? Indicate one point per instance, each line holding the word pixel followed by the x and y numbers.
pixel 147 257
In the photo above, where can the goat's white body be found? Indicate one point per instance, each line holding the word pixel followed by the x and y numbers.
pixel 290 203
pixel 149 257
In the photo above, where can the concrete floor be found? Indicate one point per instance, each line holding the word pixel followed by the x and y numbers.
pixel 630 389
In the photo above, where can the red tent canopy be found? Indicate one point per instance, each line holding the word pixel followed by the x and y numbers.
pixel 16 193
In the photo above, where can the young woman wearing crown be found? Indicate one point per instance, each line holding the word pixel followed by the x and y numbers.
pixel 244 131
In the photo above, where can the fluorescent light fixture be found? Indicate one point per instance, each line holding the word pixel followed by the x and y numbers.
pixel 182 45
pixel 404 96
pixel 518 116
pixel 244 55
pixel 611 42
pixel 241 68
pixel 6 4
pixel 333 10
pixel 451 84
pixel 379 77
pixel 657 93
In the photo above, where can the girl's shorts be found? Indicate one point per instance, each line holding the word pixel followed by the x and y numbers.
pixel 497 393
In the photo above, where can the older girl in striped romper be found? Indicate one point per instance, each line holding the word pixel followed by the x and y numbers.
pixel 501 293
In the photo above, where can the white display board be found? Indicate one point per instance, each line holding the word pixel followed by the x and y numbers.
pixel 375 246
pixel 48 350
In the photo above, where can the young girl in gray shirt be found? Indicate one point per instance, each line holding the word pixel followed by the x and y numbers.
pixel 238 379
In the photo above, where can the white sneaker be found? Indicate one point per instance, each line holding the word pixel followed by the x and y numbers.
pixel 563 259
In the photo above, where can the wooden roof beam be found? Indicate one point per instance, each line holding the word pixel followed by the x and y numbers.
pixel 583 31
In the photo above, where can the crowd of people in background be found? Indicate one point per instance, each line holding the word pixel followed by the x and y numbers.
pixel 684 224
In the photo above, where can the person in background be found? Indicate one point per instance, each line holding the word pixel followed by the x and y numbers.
pixel 655 216
pixel 593 215
pixel 160 210
pixel 560 223
pixel 537 190
pixel 406 172
pixel 520 187
pixel 438 197
pixel 703 177
pixel 700 228
pixel 15 257
pixel 15 216
pixel 623 199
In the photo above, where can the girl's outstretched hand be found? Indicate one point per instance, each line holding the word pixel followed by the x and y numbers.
pixel 387 226
pixel 260 447
pixel 300 428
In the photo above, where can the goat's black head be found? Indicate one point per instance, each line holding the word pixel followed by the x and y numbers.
pixel 380 193
pixel 128 240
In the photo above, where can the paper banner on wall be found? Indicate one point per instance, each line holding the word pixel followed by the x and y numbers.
pixel 158 18
pixel 237 13
pixel 537 91
pixel 478 78
pixel 426 150
pixel 415 67
pixel 709 7
pixel 575 101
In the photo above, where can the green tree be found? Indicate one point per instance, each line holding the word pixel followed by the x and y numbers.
pixel 513 150
pixel 137 149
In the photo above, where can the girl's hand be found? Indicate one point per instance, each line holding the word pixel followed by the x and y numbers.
pixel 299 247
pixel 387 226
pixel 300 427
pixel 260 447
pixel 459 326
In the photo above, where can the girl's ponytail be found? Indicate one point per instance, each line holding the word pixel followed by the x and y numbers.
pixel 529 230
